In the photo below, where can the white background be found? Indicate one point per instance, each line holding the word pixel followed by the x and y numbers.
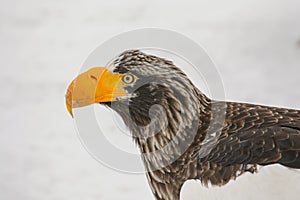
pixel 255 44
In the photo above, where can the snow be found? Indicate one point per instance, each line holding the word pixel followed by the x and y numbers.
pixel 255 45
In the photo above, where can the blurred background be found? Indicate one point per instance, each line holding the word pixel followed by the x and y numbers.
pixel 255 45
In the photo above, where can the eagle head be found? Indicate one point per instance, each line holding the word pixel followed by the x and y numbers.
pixel 151 94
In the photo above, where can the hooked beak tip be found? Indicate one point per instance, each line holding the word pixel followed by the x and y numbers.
pixel 69 100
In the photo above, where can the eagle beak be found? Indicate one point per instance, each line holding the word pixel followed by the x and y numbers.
pixel 94 86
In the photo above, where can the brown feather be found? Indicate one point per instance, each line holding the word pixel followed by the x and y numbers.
pixel 222 149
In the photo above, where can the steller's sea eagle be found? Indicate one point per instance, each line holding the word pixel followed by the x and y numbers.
pixel 195 137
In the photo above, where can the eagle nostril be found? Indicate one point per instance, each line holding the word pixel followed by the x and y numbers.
pixel 94 77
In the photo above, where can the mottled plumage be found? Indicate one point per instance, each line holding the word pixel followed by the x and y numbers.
pixel 196 137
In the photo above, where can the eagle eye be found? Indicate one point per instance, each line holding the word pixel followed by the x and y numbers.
pixel 128 78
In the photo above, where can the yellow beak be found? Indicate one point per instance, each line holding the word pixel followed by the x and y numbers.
pixel 94 86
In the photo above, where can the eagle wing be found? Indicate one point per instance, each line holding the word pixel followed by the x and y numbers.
pixel 258 135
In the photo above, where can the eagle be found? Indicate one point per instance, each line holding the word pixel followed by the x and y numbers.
pixel 180 132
